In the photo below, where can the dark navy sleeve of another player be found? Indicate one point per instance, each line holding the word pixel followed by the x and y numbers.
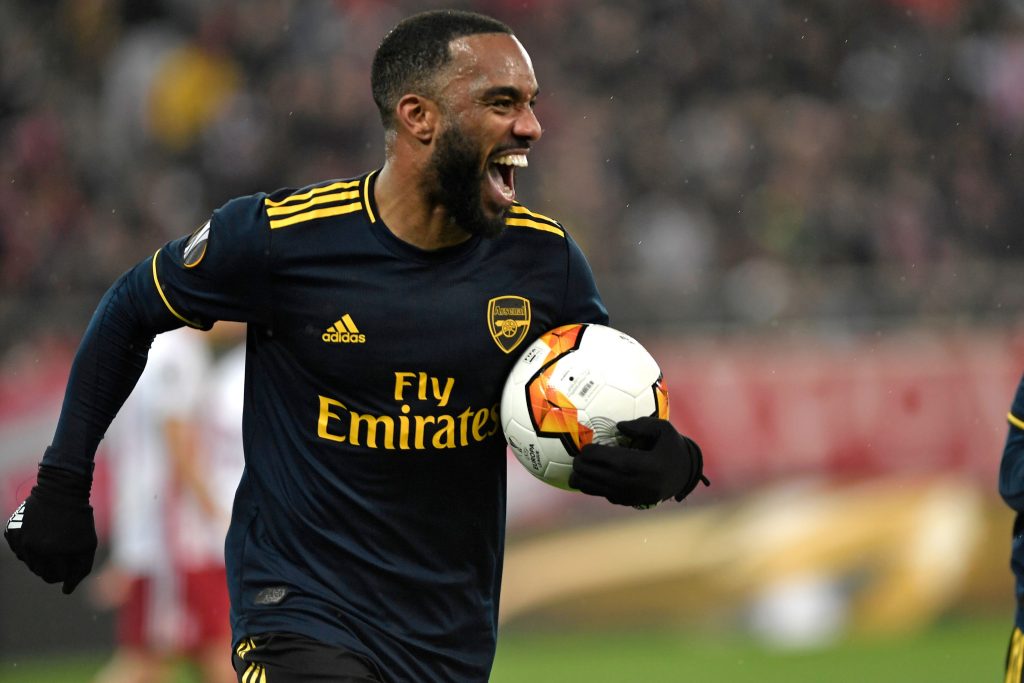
pixel 1011 468
pixel 582 301
pixel 215 273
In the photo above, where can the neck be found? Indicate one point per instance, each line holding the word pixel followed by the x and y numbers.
pixel 409 213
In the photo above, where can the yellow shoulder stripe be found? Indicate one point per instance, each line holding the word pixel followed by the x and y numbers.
pixel 520 209
pixel 523 217
pixel 301 207
pixel 295 198
pixel 318 213
pixel 278 210
pixel 526 223
pixel 1015 421
pixel 160 291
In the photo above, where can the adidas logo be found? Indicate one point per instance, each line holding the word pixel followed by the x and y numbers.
pixel 15 521
pixel 343 331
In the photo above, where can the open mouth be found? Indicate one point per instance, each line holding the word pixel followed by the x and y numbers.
pixel 502 171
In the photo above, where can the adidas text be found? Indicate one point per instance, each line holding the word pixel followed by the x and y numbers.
pixel 343 331
pixel 343 337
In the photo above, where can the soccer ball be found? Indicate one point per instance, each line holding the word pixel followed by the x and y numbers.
pixel 570 388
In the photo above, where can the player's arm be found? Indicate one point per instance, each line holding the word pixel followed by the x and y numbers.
pixel 216 273
pixel 53 530
pixel 1011 467
pixel 660 463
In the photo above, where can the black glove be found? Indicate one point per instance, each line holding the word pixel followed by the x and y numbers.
pixel 53 530
pixel 660 463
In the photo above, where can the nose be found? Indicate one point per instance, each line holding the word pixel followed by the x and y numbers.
pixel 527 125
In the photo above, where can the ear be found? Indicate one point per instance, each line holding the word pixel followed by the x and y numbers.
pixel 419 116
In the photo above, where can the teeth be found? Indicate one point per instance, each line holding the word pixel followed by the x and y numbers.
pixel 512 160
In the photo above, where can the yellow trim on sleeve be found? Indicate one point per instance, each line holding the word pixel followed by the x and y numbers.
pixel 1015 421
pixel 160 291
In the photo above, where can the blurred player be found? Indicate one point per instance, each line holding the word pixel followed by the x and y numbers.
pixel 1011 488
pixel 200 520
pixel 368 530
pixel 175 454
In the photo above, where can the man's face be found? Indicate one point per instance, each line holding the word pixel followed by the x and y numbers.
pixel 489 125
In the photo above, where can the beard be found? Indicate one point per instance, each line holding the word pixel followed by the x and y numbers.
pixel 455 180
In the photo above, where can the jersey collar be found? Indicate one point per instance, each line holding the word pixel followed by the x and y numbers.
pixel 400 247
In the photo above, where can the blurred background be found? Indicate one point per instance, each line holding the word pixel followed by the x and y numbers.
pixel 808 210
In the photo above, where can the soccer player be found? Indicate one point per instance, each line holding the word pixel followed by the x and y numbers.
pixel 1011 488
pixel 384 312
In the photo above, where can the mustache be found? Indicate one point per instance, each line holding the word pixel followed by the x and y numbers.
pixel 519 144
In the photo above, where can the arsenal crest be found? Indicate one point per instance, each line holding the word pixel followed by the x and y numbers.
pixel 508 319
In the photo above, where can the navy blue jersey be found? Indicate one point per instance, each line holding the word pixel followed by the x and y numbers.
pixel 1011 487
pixel 372 509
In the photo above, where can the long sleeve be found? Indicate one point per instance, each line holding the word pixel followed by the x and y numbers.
pixel 107 366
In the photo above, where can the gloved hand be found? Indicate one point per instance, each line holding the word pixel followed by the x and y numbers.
pixel 659 463
pixel 53 531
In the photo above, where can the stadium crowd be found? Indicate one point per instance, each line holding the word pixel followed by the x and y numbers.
pixel 723 162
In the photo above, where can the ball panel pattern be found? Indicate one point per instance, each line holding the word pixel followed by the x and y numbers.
pixel 571 387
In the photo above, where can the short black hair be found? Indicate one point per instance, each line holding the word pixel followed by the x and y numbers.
pixel 412 53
